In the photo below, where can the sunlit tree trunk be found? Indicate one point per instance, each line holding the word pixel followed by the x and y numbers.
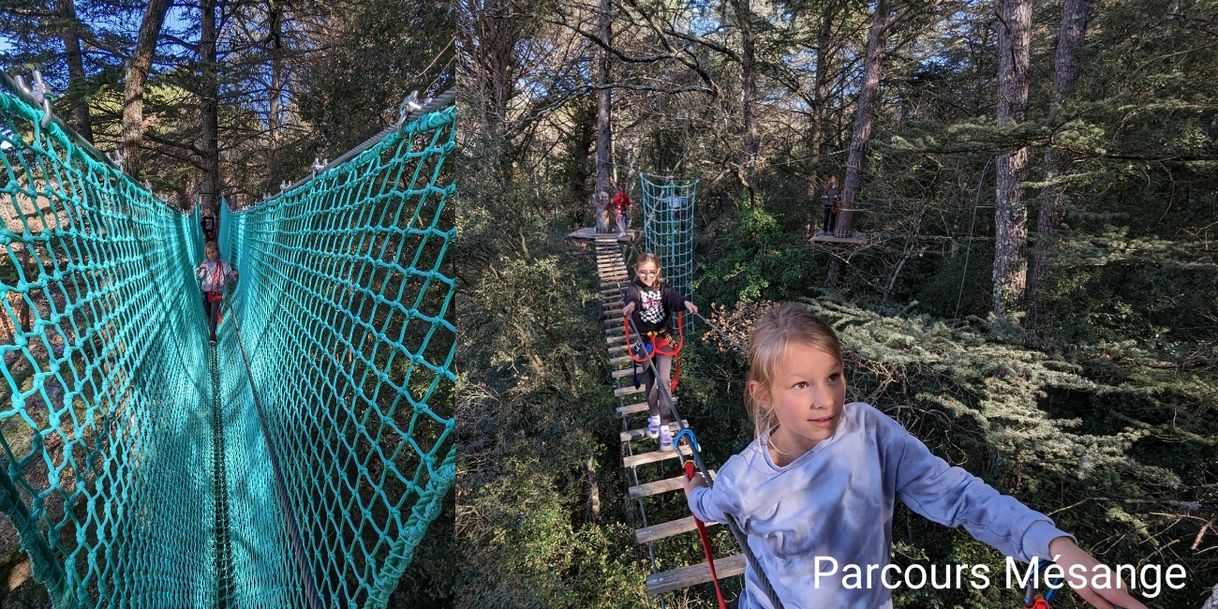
pixel 1010 211
pixel 1065 74
pixel 135 80
pixel 76 69
pixel 604 115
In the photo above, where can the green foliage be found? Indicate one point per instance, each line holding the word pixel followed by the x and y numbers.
pixel 537 434
pixel 758 260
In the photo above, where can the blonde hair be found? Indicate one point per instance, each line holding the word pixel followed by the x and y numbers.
pixel 772 336
pixel 211 247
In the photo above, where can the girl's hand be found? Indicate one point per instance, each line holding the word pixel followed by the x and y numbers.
pixel 1067 554
pixel 691 483
pixel 691 307
pixel 628 309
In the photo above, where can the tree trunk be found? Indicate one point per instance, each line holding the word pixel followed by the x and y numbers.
pixel 873 65
pixel 275 51
pixel 209 108
pixel 748 97
pixel 816 131
pixel 873 68
pixel 1065 74
pixel 134 81
pixel 1010 211
pixel 604 115
pixel 76 70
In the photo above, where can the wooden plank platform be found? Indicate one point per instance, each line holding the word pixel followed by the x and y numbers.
pixel 684 577
pixel 855 239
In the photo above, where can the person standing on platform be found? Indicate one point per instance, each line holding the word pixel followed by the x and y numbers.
pixel 621 206
pixel 831 197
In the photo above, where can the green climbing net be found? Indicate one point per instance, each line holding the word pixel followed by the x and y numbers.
pixel 295 465
pixel 668 227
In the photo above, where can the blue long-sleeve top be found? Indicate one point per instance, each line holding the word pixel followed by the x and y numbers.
pixel 836 500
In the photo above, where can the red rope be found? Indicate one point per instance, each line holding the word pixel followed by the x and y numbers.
pixel 1039 603
pixel 706 550
pixel 657 348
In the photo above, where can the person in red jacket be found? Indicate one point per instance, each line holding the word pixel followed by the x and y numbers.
pixel 621 207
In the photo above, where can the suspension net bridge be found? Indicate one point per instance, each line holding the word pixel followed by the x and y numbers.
pixel 298 462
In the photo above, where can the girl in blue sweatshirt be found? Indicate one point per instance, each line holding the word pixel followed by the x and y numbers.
pixel 814 492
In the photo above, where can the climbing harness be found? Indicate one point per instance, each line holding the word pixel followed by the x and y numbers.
pixel 657 343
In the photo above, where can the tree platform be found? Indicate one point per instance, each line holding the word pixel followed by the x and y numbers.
pixel 855 239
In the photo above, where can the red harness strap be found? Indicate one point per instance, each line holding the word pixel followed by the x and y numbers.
pixel 216 297
pixel 706 550
pixel 659 346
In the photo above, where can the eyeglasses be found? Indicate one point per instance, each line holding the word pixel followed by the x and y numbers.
pixel 648 273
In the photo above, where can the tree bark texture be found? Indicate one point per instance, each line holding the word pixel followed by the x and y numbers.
pixel 134 81
pixel 209 108
pixel 873 68
pixel 604 125
pixel 275 52
pixel 1010 211
pixel 76 69
pixel 748 98
pixel 820 93
pixel 1065 73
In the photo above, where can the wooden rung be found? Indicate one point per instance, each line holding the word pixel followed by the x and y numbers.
pixel 632 409
pixel 659 487
pixel 641 433
pixel 667 529
pixel 624 373
pixel 684 577
pixel 627 390
pixel 619 348
pixel 654 456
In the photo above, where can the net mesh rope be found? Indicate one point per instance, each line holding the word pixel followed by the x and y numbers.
pixel 668 227
pixel 136 468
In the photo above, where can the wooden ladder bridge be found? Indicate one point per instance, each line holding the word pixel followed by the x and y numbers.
pixel 637 449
